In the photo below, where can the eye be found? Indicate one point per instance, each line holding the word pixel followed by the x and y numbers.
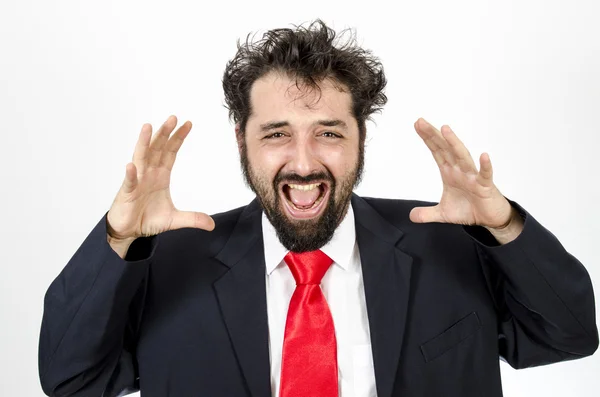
pixel 275 135
pixel 329 134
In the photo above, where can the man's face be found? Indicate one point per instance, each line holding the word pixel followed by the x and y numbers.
pixel 302 157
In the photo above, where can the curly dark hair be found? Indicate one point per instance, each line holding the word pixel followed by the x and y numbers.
pixel 308 55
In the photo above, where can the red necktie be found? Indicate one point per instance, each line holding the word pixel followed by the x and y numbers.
pixel 309 359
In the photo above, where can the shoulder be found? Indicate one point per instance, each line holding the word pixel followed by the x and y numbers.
pixel 201 241
pixel 396 212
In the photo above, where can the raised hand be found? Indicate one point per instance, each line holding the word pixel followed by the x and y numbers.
pixel 143 205
pixel 469 196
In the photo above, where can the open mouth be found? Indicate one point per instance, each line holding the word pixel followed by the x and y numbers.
pixel 306 200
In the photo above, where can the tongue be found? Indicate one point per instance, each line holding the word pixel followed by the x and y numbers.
pixel 302 198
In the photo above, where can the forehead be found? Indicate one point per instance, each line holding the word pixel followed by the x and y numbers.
pixel 277 96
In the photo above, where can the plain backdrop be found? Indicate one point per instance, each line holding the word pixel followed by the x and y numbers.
pixel 517 79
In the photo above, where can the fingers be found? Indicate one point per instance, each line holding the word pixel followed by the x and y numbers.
pixel 174 144
pixel 486 174
pixel 141 147
pixel 460 151
pixel 131 180
pixel 426 214
pixel 446 147
pixel 197 220
pixel 435 142
pixel 159 140
pixel 159 150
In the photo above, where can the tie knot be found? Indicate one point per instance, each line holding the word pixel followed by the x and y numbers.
pixel 308 267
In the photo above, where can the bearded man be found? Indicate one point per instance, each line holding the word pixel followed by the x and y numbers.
pixel 311 290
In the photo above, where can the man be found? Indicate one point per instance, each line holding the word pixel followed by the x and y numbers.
pixel 311 290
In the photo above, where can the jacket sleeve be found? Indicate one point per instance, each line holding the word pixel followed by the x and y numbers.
pixel 543 296
pixel 92 312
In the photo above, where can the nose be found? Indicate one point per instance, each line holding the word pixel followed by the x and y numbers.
pixel 303 158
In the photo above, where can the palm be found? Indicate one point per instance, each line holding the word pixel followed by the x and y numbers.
pixel 469 196
pixel 152 205
pixel 143 206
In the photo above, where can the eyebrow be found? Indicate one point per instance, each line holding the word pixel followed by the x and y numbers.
pixel 273 125
pixel 331 123
pixel 278 124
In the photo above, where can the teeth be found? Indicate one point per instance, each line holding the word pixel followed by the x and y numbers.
pixel 304 187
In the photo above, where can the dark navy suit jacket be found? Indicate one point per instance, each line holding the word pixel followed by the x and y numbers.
pixel 185 313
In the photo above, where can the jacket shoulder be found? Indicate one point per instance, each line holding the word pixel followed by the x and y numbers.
pixel 202 241
pixel 396 211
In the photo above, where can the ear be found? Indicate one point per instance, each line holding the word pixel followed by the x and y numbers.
pixel 239 137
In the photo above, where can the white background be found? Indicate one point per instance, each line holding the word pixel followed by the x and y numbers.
pixel 518 79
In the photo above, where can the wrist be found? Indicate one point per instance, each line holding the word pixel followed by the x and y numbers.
pixel 120 246
pixel 510 230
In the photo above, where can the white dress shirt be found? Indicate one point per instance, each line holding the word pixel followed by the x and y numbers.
pixel 343 288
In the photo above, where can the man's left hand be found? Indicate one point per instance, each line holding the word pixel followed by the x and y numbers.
pixel 469 197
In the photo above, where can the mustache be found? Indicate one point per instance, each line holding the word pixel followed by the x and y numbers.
pixel 315 177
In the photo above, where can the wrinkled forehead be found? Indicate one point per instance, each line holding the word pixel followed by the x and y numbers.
pixel 276 95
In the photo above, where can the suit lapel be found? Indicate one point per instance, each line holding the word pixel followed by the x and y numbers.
pixel 242 298
pixel 241 294
pixel 386 273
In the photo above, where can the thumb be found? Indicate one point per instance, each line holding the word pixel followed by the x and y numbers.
pixel 131 181
pixel 426 214
pixel 197 220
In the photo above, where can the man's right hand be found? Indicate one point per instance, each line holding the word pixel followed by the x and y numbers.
pixel 143 205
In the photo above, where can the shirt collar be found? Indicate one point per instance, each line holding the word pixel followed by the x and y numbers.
pixel 339 248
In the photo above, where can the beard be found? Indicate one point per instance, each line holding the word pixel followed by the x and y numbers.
pixel 303 235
